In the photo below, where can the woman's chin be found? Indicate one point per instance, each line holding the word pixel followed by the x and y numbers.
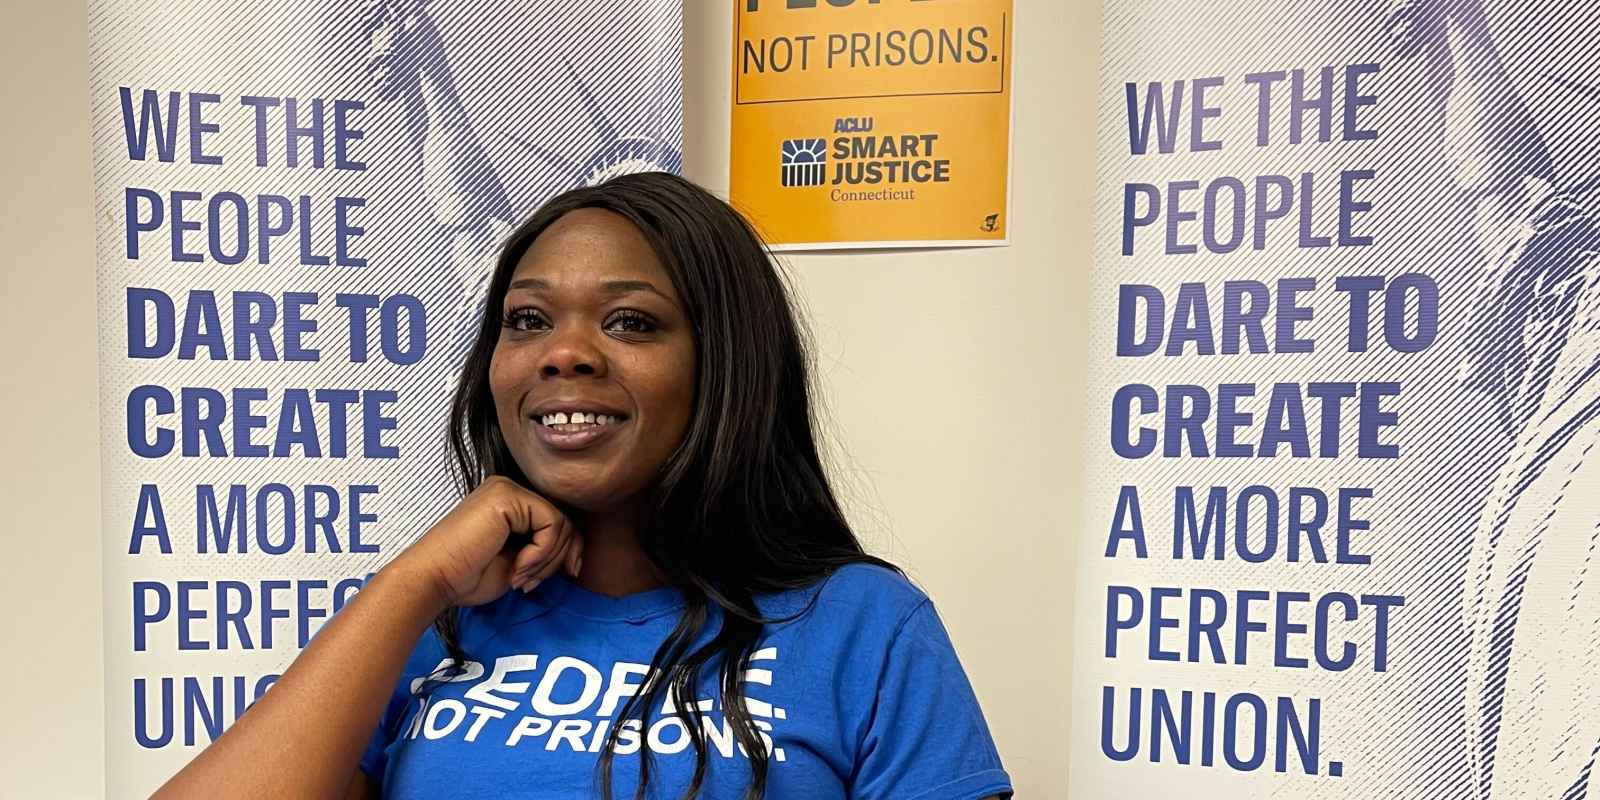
pixel 589 496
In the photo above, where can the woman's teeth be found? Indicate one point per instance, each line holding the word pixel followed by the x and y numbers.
pixel 576 421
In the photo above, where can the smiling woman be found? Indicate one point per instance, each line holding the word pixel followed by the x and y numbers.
pixel 592 325
pixel 649 586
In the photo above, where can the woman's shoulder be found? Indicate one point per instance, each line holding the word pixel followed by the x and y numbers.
pixel 864 579
pixel 860 591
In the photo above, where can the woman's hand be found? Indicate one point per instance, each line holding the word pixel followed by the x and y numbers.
pixel 498 537
pixel 305 737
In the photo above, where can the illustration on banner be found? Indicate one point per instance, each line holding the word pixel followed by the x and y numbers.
pixel 1532 717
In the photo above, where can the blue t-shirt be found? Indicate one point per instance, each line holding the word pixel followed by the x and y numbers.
pixel 861 696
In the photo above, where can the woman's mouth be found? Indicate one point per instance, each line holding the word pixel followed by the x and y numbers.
pixel 577 429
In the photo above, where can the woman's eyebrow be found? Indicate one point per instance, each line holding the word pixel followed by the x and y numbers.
pixel 615 288
pixel 612 288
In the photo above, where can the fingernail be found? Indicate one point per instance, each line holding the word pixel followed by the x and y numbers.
pixel 531 585
pixel 579 568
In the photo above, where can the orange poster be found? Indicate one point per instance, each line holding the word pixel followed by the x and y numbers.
pixel 873 123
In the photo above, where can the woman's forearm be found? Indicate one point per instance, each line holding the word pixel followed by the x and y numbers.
pixel 305 735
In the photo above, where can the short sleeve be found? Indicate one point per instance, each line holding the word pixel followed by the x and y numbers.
pixel 423 660
pixel 926 738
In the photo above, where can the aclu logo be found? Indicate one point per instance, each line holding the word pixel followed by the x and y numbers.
pixel 805 162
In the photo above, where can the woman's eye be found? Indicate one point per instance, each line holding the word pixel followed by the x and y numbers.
pixel 630 322
pixel 525 319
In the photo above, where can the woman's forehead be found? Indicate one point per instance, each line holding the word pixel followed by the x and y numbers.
pixel 589 249
pixel 588 239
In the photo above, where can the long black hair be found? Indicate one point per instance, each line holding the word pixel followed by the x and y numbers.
pixel 742 507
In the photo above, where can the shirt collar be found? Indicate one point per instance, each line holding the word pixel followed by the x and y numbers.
pixel 558 592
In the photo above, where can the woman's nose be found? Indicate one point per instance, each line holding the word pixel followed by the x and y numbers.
pixel 572 354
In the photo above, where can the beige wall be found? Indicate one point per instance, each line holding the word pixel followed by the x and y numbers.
pixel 50 690
pixel 951 378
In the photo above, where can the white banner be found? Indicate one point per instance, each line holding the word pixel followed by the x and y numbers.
pixel 1343 514
pixel 298 205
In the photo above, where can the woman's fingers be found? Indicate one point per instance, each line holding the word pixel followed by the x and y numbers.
pixel 574 564
pixel 542 555
pixel 556 561
pixel 542 567
pixel 528 557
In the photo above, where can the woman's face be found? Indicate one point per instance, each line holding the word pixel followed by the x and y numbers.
pixel 593 376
